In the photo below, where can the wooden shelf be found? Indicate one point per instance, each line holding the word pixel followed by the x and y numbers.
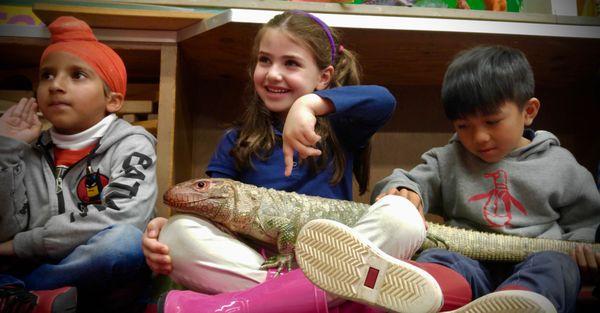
pixel 122 17
pixel 403 50
pixel 22 56
pixel 534 15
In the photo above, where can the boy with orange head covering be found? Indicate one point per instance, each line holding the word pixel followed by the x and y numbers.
pixel 77 196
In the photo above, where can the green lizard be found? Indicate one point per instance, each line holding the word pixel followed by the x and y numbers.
pixel 275 217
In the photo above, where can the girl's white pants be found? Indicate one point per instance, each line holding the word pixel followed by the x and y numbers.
pixel 209 260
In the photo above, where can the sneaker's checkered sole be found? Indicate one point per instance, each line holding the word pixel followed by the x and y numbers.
pixel 509 301
pixel 342 263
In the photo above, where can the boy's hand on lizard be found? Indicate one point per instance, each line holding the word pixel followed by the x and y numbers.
pixel 588 262
pixel 406 193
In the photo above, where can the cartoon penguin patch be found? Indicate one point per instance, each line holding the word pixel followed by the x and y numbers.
pixel 89 187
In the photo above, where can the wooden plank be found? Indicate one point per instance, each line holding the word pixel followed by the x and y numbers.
pixel 10 97
pixel 150 125
pixel 165 148
pixel 21 57
pixel 120 16
pixel 130 106
pixel 5 104
pixel 142 92
pixel 131 118
pixel 403 57
pixel 15 95
pixel 136 106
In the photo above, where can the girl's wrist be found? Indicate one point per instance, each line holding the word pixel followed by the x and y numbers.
pixel 317 105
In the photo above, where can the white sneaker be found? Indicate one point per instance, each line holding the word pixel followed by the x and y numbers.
pixel 342 262
pixel 509 301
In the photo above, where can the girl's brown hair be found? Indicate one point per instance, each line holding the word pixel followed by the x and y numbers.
pixel 256 136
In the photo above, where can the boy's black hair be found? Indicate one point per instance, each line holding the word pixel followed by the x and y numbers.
pixel 481 79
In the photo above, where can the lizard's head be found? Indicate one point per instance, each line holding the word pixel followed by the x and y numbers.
pixel 204 197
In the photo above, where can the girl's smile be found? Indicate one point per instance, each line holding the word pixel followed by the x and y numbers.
pixel 285 70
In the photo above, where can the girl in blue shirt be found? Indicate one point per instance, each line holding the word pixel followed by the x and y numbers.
pixel 356 113
pixel 306 128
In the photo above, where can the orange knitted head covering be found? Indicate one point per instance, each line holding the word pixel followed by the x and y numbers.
pixel 74 36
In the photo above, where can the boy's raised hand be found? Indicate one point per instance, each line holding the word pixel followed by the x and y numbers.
pixel 299 128
pixel 21 122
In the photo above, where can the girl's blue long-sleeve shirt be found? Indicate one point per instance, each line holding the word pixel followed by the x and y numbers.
pixel 359 112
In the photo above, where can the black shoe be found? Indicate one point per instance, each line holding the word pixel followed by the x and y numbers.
pixel 16 299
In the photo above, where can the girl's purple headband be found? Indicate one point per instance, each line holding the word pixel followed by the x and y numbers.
pixel 325 28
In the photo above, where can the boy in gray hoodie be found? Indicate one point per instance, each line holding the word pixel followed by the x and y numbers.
pixel 75 198
pixel 496 175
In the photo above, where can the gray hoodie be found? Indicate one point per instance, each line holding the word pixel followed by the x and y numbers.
pixel 536 191
pixel 47 222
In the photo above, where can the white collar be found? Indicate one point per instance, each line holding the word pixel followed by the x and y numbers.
pixel 84 138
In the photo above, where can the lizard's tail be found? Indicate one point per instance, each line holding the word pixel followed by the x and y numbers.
pixel 493 247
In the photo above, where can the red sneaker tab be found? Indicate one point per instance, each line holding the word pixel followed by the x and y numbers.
pixel 371 277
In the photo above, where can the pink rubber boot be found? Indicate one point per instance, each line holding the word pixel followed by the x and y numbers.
pixel 290 292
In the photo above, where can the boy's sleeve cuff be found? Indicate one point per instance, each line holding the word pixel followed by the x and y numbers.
pixel 10 147
pixel 29 244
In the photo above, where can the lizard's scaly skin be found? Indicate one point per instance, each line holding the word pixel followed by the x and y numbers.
pixel 275 217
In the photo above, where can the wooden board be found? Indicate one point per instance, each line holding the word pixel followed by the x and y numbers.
pixel 136 106
pixel 15 95
pixel 21 57
pixel 150 125
pixel 142 92
pixel 165 149
pixel 121 17
pixel 397 57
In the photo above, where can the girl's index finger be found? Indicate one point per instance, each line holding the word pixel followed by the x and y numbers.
pixel 288 157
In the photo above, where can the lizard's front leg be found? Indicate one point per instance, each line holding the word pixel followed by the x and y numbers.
pixel 286 238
